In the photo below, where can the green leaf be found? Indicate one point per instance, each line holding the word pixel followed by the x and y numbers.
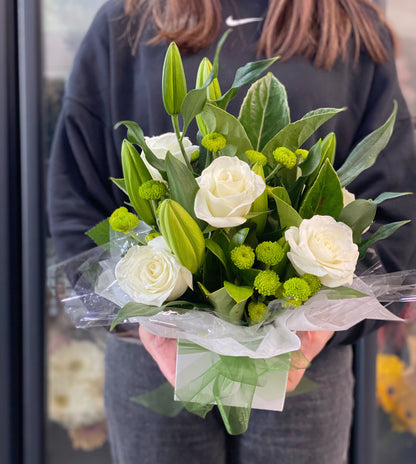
pixel 358 215
pixel 160 401
pixel 136 136
pixel 312 161
pixel 366 152
pixel 195 100
pixel 342 293
pixel 264 111
pixel 216 249
pixel 100 234
pixel 281 192
pixel 237 311
pixel 325 195
pixel 182 184
pixel 382 232
pixel 133 309
pixel 218 120
pixel 221 301
pixel 288 216
pixel 238 293
pixel 245 75
pixel 121 184
pixel 295 134
pixel 329 146
pixel 388 196
pixel 135 174
pixel 238 238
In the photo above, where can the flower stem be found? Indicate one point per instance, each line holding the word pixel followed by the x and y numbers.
pixel 274 172
pixel 175 123
pixel 136 237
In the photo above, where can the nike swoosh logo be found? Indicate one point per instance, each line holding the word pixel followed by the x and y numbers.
pixel 231 22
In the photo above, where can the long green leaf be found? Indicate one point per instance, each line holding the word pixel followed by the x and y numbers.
pixel 288 216
pixel 245 75
pixel 182 184
pixel 325 195
pixel 295 134
pixel 121 184
pixel 218 120
pixel 388 196
pixel 358 215
pixel 313 160
pixel 136 136
pixel 342 293
pixel 366 152
pixel 382 232
pixel 216 249
pixel 133 309
pixel 264 111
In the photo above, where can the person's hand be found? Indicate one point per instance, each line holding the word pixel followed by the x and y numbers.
pixel 163 351
pixel 312 343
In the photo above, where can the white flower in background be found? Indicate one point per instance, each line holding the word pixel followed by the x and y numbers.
pixel 75 384
pixel 227 189
pixel 347 197
pixel 323 247
pixel 161 144
pixel 152 274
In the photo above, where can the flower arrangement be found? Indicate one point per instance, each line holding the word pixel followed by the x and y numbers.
pixel 235 242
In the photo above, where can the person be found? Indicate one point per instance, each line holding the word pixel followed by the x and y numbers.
pixel 334 53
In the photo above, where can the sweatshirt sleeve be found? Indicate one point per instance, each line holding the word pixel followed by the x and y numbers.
pixel 79 192
pixel 394 171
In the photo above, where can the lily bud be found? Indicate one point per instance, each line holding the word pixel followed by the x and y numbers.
pixel 213 90
pixel 173 81
pixel 204 70
pixel 135 173
pixel 182 234
pixel 260 204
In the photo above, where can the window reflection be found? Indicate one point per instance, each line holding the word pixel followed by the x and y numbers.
pixel 77 430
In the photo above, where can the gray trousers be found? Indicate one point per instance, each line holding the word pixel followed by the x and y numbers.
pixel 314 427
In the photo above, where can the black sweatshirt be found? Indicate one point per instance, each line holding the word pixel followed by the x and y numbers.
pixel 109 84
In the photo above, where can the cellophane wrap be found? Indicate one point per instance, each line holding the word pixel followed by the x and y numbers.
pixel 93 298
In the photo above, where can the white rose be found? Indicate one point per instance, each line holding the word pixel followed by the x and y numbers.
pixel 161 144
pixel 323 247
pixel 227 188
pixel 152 274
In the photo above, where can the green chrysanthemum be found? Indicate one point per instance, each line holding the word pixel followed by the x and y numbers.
pixel 291 303
pixel 256 157
pixel 269 253
pixel 122 220
pixel 214 142
pixel 297 288
pixel 285 157
pixel 151 236
pixel 302 153
pixel 194 156
pixel 279 292
pixel 152 190
pixel 267 282
pixel 243 256
pixel 313 282
pixel 257 312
